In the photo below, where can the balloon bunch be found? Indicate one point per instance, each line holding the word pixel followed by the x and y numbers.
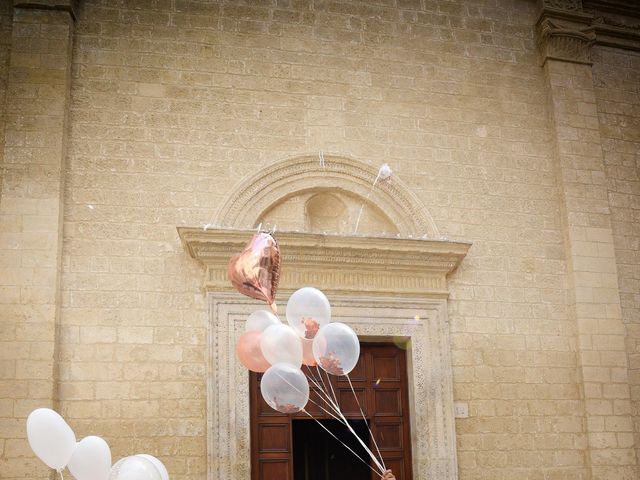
pixel 53 442
pixel 309 338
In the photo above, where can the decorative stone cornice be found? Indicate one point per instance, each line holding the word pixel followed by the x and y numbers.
pixel 611 33
pixel 568 28
pixel 365 265
pixel 65 5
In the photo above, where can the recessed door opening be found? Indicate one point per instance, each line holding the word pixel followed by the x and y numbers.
pixel 295 447
pixel 319 456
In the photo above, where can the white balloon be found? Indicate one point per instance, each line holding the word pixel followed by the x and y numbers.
pixel 134 467
pixel 50 438
pixel 261 319
pixel 91 460
pixel 281 344
pixel 308 310
pixel 336 348
pixel 158 464
pixel 285 388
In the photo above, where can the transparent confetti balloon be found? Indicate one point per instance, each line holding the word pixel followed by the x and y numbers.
pixel 336 348
pixel 259 320
pixel 308 310
pixel 307 353
pixel 281 344
pixel 285 388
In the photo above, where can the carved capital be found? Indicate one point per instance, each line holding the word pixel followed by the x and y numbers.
pixel 64 5
pixel 565 41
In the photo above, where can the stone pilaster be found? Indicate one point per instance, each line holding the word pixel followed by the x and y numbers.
pixel 36 112
pixel 565 37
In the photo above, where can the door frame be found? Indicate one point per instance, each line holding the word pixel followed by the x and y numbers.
pixel 421 323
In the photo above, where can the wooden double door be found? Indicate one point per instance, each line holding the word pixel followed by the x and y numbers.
pixel 288 447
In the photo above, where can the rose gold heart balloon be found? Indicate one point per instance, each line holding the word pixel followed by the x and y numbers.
pixel 256 271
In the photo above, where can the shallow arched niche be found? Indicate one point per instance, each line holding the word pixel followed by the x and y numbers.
pixel 332 211
pixel 285 181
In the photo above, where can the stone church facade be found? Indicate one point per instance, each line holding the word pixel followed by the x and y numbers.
pixel 142 142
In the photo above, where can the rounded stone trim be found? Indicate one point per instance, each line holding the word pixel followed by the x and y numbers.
pixel 284 179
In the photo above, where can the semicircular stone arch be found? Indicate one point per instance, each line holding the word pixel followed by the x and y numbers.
pixel 390 200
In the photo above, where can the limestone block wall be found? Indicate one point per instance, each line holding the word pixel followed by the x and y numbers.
pixel 35 118
pixel 618 98
pixel 174 102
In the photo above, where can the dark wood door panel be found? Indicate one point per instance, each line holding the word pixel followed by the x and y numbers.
pixel 380 383
pixel 275 469
pixel 273 438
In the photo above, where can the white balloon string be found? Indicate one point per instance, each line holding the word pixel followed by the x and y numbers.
pixel 365 421
pixel 299 391
pixel 327 399
pixel 335 398
pixel 367 449
pixel 313 380
pixel 320 375
pixel 344 444
pixel 365 201
pixel 346 423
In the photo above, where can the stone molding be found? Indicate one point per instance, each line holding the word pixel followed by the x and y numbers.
pixel 611 33
pixel 563 5
pixel 567 29
pixel 256 195
pixel 358 264
pixel 421 325
pixel 70 6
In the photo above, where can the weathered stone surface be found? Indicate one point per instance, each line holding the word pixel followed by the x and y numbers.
pixel 174 106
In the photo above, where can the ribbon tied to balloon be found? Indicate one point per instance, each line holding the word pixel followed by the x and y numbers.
pixel 255 272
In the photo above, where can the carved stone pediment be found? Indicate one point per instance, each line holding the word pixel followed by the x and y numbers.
pixel 367 265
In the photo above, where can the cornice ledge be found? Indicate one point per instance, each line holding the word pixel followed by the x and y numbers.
pixel 373 265
pixel 610 33
pixel 70 6
pixel 576 25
